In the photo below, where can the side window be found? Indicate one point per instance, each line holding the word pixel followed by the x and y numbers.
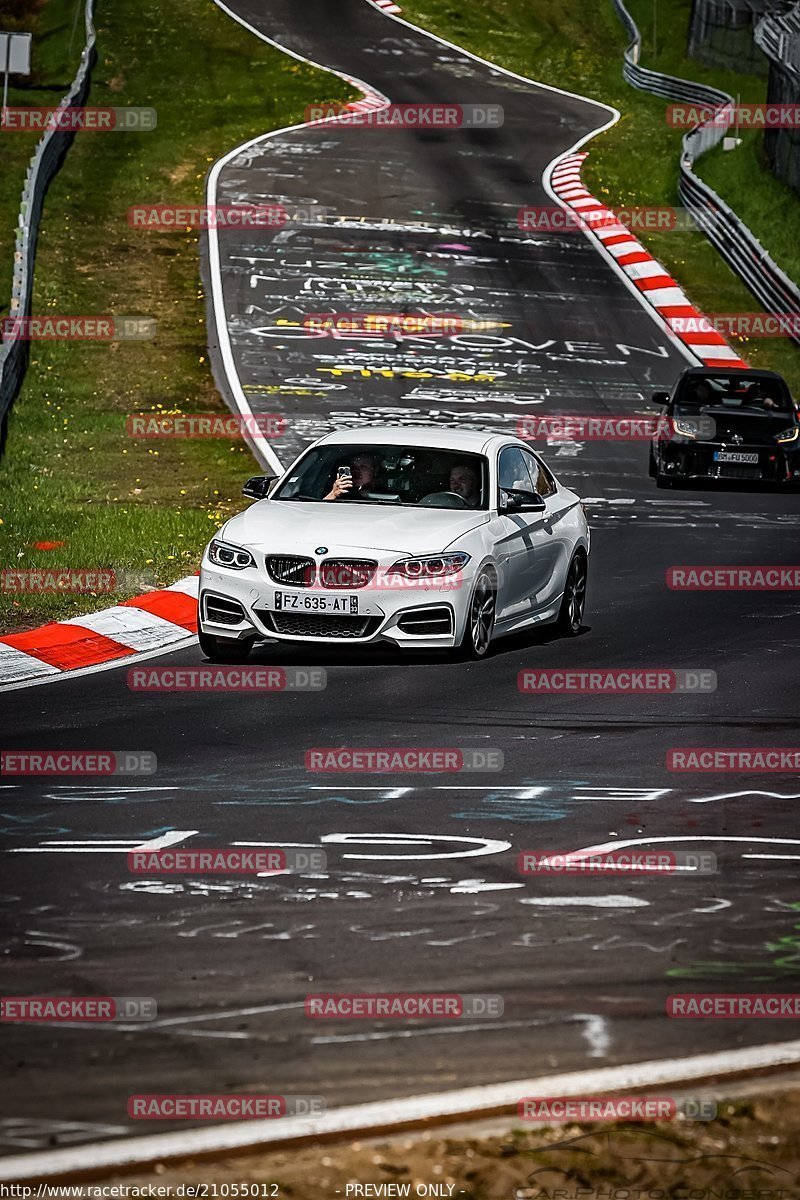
pixel 512 473
pixel 543 481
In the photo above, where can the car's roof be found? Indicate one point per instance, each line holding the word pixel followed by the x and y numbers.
pixel 748 373
pixel 475 441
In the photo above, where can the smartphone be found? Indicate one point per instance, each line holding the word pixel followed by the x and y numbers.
pixel 344 473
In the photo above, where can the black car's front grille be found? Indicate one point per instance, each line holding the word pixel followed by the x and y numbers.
pixel 294 572
pixel 318 624
pixel 735 471
pixel 346 573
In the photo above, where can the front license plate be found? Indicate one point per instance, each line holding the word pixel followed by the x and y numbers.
pixel 292 602
pixel 735 456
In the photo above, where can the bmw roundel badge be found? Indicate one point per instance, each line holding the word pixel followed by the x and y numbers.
pixel 321 550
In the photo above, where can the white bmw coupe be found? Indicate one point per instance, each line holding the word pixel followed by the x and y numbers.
pixel 424 537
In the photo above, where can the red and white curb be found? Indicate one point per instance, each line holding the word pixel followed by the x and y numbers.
pixel 145 625
pixel 647 275
pixel 387 6
pixel 371 103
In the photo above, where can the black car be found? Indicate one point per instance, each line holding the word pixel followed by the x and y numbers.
pixel 740 424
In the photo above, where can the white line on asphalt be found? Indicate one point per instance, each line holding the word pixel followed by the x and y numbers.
pixel 388 1115
pixel 587 901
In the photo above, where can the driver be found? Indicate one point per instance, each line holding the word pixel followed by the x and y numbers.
pixel 464 481
pixel 362 467
pixel 755 396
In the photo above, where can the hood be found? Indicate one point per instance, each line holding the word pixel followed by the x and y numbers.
pixel 752 427
pixel 295 527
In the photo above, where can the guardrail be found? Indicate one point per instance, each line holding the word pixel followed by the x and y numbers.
pixel 778 36
pixel 725 230
pixel 45 162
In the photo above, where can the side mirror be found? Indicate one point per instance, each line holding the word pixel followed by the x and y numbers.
pixel 661 398
pixel 513 501
pixel 258 487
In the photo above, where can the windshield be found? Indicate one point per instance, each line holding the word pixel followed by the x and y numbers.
pixel 421 476
pixel 743 390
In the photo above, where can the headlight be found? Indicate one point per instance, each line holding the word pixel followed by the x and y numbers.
pixel 223 555
pixel 788 435
pixel 435 566
pixel 685 428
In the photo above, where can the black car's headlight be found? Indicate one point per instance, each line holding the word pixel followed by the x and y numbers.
pixel 433 566
pixel 788 435
pixel 685 428
pixel 224 555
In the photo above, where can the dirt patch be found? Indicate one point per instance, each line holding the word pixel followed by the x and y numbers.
pixel 751 1151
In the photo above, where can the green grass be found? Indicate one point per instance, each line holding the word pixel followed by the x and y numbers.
pixel 55 57
pixel 771 210
pixel 579 46
pixel 70 473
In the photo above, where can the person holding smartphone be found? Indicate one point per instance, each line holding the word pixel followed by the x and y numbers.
pixel 355 481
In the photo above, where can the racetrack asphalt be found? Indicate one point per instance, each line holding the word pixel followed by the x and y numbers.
pixel 421 891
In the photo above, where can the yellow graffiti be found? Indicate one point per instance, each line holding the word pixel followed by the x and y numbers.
pixel 390 373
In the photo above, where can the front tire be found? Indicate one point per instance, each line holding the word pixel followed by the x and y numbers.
pixel 224 650
pixel 480 619
pixel 570 616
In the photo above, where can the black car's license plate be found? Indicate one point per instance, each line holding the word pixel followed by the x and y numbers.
pixel 736 456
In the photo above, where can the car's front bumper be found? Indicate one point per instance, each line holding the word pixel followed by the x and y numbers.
pixel 241 605
pixel 695 460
